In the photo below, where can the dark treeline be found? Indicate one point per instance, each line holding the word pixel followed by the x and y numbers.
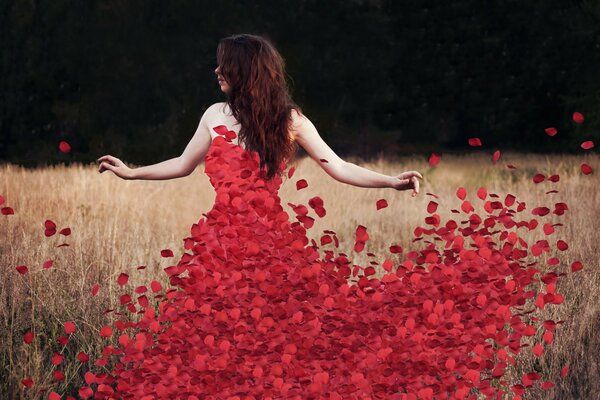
pixel 132 78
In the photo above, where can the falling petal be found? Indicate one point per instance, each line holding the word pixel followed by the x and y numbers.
pixel 576 266
pixel 586 169
pixel 301 184
pixel 7 211
pixel 551 131
pixel 496 156
pixel 166 253
pixel 434 159
pixel 537 178
pixel 122 279
pixel 28 337
pixel 588 144
pixel 22 269
pixel 64 147
pixel 474 142
pixel 381 203
pixel 578 117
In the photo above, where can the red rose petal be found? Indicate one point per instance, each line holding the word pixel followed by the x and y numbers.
pixel 564 370
pixel 588 144
pixel 551 131
pixel 301 184
pixel 28 338
pixel 291 172
pixel 395 249
pixel 434 159
pixel 461 193
pixel 22 269
pixel 57 358
pixel 82 357
pixel 578 117
pixel 537 178
pixel 482 193
pixel 64 147
pixel 576 266
pixel 65 231
pixel 496 156
pixel 166 253
pixel 474 141
pixel 554 178
pixel 122 279
pixel 547 385
pixel 48 264
pixel 95 289
pixel 53 396
pixel 432 207
pixel 586 169
pixel 69 327
pixel 381 203
pixel 106 331
pixel 27 382
pixel 7 211
pixel 59 375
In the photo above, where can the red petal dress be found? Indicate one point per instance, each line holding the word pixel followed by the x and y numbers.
pixel 255 311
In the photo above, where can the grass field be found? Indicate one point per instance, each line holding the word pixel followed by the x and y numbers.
pixel 119 225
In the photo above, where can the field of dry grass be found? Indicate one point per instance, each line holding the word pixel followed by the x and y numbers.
pixel 119 225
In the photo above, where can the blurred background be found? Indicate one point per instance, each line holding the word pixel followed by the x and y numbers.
pixel 377 77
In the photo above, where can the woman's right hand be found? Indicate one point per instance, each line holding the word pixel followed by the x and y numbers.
pixel 408 180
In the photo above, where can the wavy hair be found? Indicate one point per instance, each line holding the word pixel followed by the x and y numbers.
pixel 259 98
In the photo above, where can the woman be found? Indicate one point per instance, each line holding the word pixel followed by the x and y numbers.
pixel 256 312
pixel 260 110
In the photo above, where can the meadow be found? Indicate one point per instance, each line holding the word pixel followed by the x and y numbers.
pixel 118 226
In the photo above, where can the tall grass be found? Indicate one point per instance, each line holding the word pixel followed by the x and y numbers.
pixel 118 226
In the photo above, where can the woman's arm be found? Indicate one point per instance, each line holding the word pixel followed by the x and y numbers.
pixel 173 168
pixel 307 136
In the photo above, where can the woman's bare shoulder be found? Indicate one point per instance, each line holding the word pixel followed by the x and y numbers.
pixel 217 109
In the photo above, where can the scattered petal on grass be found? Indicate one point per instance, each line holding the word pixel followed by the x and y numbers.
pixel 166 253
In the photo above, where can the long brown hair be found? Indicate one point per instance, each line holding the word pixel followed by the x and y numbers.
pixel 259 98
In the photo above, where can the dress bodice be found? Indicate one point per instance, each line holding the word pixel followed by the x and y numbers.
pixel 232 168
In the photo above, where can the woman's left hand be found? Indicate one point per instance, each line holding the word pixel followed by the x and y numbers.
pixel 115 165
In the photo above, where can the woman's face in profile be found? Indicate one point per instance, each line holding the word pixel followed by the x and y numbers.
pixel 225 88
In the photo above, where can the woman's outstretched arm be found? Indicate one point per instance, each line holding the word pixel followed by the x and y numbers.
pixel 307 136
pixel 173 168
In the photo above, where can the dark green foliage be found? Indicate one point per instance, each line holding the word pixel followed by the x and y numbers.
pixel 132 78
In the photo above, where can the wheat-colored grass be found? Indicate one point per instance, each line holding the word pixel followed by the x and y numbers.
pixel 119 225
